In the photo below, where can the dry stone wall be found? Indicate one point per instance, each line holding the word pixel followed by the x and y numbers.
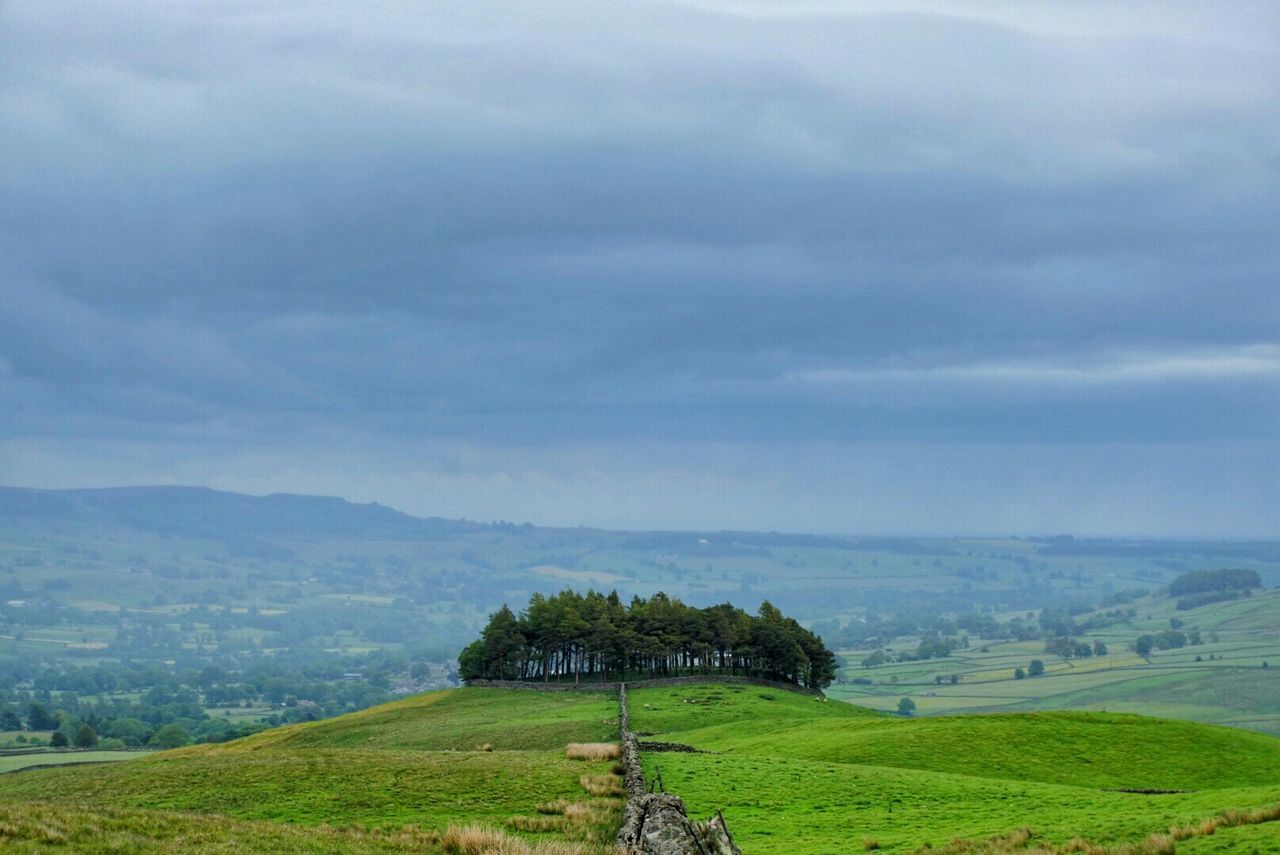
pixel 657 823
pixel 656 683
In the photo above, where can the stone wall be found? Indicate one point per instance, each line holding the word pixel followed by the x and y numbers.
pixel 657 823
pixel 657 683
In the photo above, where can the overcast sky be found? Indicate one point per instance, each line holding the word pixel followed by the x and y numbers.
pixel 876 267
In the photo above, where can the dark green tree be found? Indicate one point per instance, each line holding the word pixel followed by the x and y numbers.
pixel 86 737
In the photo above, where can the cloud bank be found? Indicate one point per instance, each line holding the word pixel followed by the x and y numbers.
pixel 822 266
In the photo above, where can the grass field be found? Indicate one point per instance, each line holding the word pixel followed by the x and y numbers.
pixel 796 775
pixel 1222 681
pixel 793 773
pixel 447 758
pixel 14 762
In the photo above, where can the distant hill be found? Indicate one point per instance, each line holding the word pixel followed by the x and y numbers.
pixel 202 512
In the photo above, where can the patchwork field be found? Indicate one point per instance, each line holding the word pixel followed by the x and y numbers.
pixel 1232 678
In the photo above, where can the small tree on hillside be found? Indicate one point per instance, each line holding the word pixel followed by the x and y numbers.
pixel 86 737
pixel 58 739
pixel 1019 674
pixel 1037 668
pixel 906 707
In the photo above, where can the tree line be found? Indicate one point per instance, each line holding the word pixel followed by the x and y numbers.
pixel 594 636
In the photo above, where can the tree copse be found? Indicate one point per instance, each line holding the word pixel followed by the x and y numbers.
pixel 595 636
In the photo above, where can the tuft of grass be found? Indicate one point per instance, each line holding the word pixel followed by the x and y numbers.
pixel 537 824
pixel 602 785
pixel 594 751
pixel 870 844
pixel 486 840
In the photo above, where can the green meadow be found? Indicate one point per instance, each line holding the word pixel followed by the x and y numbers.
pixel 794 774
pixel 14 762
pixel 450 758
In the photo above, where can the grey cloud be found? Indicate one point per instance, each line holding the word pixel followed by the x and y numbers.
pixel 547 225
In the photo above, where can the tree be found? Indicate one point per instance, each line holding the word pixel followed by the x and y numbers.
pixel 1099 649
pixel 1036 669
pixel 131 731
pixel 1143 645
pixel 170 736
pixel 39 717
pixel 906 707
pixel 86 737
pixel 1019 674
pixel 9 720
pixel 58 739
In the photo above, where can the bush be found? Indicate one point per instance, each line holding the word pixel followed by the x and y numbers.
pixel 170 736
pixel 59 739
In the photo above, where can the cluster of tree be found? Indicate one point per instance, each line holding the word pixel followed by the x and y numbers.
pixel 67 729
pixel 128 704
pixel 1072 648
pixel 1202 587
pixel 595 636
pixel 1035 669
pixel 1169 639
pixel 1203 581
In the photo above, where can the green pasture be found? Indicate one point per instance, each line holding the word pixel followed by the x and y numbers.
pixel 794 775
pixel 434 760
pixel 14 762
pixel 776 805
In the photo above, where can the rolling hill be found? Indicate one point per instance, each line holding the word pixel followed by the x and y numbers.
pixel 792 773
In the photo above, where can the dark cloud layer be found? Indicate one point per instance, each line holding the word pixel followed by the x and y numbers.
pixel 536 237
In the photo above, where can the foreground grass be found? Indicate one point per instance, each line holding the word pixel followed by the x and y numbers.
pixel 795 775
pixel 788 806
pixel 477 758
pixel 32 827
pixel 374 788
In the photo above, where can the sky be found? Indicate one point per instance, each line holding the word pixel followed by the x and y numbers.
pixel 866 268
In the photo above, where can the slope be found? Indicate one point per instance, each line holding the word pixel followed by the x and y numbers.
pixel 440 759
pixel 793 774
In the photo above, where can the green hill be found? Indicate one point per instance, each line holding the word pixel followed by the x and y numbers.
pixel 793 773
pixel 403 772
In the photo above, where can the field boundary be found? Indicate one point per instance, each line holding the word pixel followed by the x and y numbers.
pixel 656 683
pixel 657 823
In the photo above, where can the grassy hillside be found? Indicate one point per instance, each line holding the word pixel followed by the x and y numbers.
pixel 445 758
pixel 795 774
pixel 1221 681
pixel 792 773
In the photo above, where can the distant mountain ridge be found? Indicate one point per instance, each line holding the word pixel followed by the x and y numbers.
pixel 205 512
